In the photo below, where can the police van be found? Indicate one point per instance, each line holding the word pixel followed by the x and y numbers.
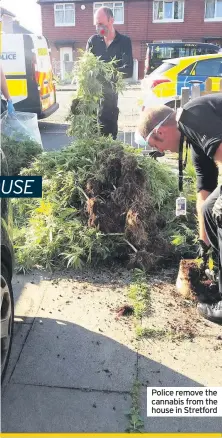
pixel 26 62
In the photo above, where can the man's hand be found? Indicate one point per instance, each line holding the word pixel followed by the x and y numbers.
pixel 203 253
pixel 217 211
pixel 10 107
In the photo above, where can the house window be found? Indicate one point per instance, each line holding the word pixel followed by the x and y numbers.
pixel 168 11
pixel 64 14
pixel 213 10
pixel 116 7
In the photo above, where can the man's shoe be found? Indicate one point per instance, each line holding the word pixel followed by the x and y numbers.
pixel 212 275
pixel 212 312
pixel 208 294
pixel 156 154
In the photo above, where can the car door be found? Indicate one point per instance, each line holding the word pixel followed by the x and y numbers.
pixel 183 75
pixel 202 70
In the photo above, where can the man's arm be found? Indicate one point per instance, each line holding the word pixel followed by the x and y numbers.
pixel 207 176
pixel 218 155
pixel 201 197
pixel 4 86
pixel 89 45
pixel 126 63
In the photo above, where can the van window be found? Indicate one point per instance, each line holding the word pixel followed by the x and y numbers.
pixel 163 52
pixel 159 52
pixel 192 51
pixel 179 51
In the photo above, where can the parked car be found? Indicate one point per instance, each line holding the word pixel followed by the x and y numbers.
pixel 157 52
pixel 161 86
pixel 7 263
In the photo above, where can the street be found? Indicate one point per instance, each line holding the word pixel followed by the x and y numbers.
pixel 57 124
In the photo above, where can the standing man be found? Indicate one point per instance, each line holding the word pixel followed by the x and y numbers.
pixel 108 44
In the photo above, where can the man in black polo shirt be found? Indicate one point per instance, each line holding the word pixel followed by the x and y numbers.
pixel 200 123
pixel 108 44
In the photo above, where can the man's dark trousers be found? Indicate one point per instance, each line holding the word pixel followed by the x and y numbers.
pixel 108 113
pixel 214 233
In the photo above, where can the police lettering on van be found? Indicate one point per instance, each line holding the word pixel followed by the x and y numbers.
pixel 8 56
pixel 27 66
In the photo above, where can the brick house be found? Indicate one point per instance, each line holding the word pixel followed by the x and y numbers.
pixel 7 18
pixel 69 23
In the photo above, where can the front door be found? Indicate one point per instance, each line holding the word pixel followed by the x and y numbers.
pixel 66 58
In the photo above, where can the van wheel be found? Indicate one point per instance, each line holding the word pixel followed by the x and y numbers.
pixel 7 319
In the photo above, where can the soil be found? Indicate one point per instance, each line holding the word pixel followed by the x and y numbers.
pixel 119 202
pixel 167 311
pixel 125 310
pixel 198 286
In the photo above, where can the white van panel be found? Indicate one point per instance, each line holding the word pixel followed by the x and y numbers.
pixel 13 55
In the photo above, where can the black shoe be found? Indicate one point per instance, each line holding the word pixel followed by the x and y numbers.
pixel 212 312
pixel 209 294
pixel 156 154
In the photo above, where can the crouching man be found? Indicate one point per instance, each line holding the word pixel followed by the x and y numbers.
pixel 200 124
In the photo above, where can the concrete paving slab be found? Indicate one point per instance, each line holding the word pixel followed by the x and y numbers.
pixel 179 339
pixel 198 362
pixel 180 424
pixel 20 333
pixel 155 373
pixel 61 354
pixel 91 306
pixel 28 293
pixel 40 409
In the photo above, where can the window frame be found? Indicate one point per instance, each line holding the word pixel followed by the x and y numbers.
pixel 211 19
pixel 63 8
pixel 103 4
pixel 190 67
pixel 168 20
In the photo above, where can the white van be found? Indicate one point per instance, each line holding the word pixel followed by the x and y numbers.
pixel 26 62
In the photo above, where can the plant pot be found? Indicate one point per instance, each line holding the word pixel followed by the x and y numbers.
pixel 184 282
pixel 193 284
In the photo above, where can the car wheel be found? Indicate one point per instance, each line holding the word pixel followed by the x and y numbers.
pixel 7 319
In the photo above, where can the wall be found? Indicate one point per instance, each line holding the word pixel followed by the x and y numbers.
pixel 7 24
pixel 138 25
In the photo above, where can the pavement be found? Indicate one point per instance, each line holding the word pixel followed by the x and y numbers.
pixel 73 363
pixel 72 87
